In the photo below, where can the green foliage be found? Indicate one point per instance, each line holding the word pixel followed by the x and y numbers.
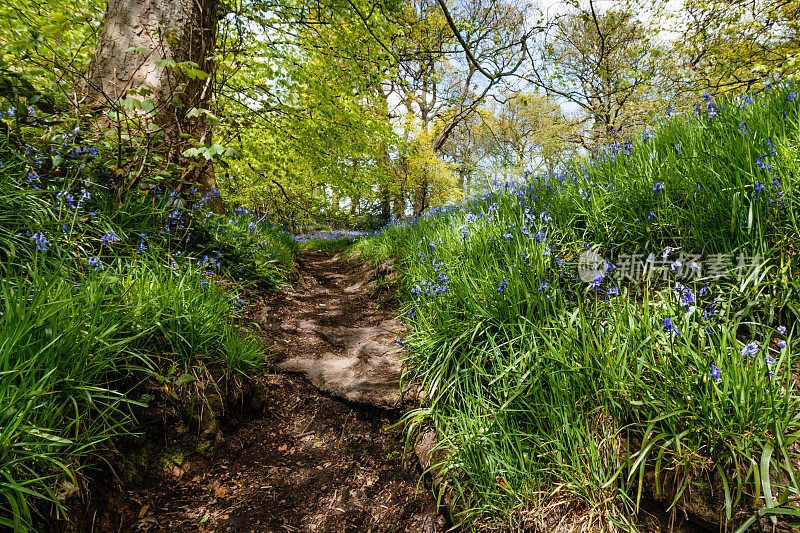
pixel 540 383
pixel 100 293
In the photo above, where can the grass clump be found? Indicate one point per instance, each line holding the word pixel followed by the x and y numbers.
pixel 100 292
pixel 627 326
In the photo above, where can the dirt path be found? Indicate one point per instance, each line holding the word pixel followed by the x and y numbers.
pixel 309 461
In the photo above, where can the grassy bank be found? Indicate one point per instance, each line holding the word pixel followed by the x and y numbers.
pixel 99 292
pixel 624 327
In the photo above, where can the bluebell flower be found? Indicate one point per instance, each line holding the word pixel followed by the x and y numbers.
pixel 791 96
pixel 543 286
pixel 32 178
pixel 108 238
pixel 743 128
pixel 503 285
pixel 769 360
pixel 750 349
pixel 658 187
pixel 399 341
pixel 715 373
pixel 613 291
pixel 40 240
pixel 781 344
pixel 669 326
pixel 95 262
pixel 781 330
pixel 203 282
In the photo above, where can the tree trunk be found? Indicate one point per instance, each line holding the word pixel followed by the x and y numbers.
pixel 134 49
pixel 421 196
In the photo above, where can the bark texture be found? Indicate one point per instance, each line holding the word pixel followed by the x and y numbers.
pixel 136 36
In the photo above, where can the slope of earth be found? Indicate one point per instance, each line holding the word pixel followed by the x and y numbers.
pixel 321 454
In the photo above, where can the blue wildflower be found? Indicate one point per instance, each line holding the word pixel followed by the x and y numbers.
pixel 108 238
pixel 669 326
pixel 503 285
pixel 781 345
pixel 750 349
pixel 781 330
pixel 95 262
pixel 715 373
pixel 40 240
pixel 658 187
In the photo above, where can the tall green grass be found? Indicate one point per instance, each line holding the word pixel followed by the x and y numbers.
pixel 542 384
pixel 99 293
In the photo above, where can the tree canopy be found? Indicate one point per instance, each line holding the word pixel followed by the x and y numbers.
pixel 345 110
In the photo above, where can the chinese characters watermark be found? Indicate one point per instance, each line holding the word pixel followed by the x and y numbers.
pixel 593 268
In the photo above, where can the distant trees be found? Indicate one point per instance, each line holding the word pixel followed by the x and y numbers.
pixel 734 45
pixel 441 81
pixel 333 107
pixel 607 63
pixel 529 132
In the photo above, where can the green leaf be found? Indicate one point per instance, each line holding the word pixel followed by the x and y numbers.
pixel 184 379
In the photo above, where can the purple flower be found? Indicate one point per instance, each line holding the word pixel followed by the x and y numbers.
pixel 399 341
pixel 792 95
pixel 41 241
pixel 95 262
pixel 503 285
pixel 108 238
pixel 781 345
pixel 543 286
pixel 750 349
pixel 669 326
pixel 715 373
pixel 781 330
pixel 658 187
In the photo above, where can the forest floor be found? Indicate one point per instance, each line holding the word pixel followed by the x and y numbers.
pixel 321 453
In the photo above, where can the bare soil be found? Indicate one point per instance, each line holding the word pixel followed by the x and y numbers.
pixel 303 459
